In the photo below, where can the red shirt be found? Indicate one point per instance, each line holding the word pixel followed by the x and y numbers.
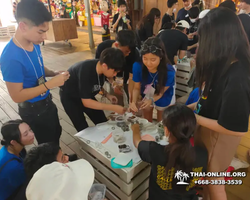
pixel 105 19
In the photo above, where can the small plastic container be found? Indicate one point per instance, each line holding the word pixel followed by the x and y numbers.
pixel 120 121
pixel 97 192
pixel 138 105
pixel 119 81
pixel 118 136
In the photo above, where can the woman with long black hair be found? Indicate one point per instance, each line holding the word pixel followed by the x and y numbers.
pixel 223 75
pixel 16 135
pixel 147 24
pixel 154 79
pixel 170 176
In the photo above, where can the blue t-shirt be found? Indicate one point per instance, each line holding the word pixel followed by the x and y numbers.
pixel 12 175
pixel 16 67
pixel 193 96
pixel 166 98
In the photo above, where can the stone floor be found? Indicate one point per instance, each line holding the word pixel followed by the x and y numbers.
pixel 60 56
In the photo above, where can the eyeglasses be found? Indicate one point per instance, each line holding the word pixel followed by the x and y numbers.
pixel 150 48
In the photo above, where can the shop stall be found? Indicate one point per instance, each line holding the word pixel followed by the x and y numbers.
pixel 63 25
pixel 95 12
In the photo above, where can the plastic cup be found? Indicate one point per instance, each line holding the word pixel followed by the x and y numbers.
pixel 118 136
pixel 97 192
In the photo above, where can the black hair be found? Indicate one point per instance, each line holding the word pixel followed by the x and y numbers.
pixel 170 3
pixel 150 17
pixel 246 1
pixel 194 12
pixel 168 25
pixel 121 2
pixel 196 2
pixel 10 131
pixel 39 156
pixel 113 58
pixel 162 67
pixel 179 28
pixel 126 38
pixel 228 4
pixel 34 11
pixel 245 18
pixel 213 59
pixel 181 123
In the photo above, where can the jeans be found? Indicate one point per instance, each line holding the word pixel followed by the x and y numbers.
pixel 75 110
pixel 43 119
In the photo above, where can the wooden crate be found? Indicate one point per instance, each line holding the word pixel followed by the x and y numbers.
pixel 182 76
pixel 4 32
pixel 11 30
pixel 122 184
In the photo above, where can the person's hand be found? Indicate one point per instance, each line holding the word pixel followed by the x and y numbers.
pixel 135 127
pixel 58 80
pixel 118 90
pixel 146 103
pixel 192 63
pixel 120 15
pixel 190 36
pixel 119 109
pixel 58 72
pixel 133 107
pixel 113 99
pixel 103 31
pixel 128 21
pixel 157 21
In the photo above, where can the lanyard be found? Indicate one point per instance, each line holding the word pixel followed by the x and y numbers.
pixel 153 77
pixel 99 83
pixel 39 60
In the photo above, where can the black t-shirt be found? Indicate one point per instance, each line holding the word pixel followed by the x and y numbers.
pixel 174 40
pixel 166 19
pixel 130 59
pixel 146 31
pixel 229 99
pixel 182 15
pixel 121 23
pixel 84 82
pixel 160 185
pixel 193 28
pixel 245 20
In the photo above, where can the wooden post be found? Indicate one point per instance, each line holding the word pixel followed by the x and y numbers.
pixel 91 39
pixel 50 8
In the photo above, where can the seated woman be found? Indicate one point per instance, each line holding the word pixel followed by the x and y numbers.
pixel 154 79
pixel 166 177
pixel 16 135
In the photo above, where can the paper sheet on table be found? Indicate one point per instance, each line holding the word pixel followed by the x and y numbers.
pixel 93 134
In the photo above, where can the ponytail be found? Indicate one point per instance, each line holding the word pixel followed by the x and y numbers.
pixel 10 131
pixel 3 143
pixel 180 122
pixel 181 156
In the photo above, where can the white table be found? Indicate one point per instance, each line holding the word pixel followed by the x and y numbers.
pixel 125 184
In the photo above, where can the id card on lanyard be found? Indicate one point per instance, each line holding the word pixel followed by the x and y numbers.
pixel 149 89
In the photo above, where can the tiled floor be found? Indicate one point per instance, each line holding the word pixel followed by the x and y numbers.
pixel 59 56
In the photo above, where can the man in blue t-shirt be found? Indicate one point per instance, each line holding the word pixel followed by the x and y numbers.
pixel 24 73
pixel 183 13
